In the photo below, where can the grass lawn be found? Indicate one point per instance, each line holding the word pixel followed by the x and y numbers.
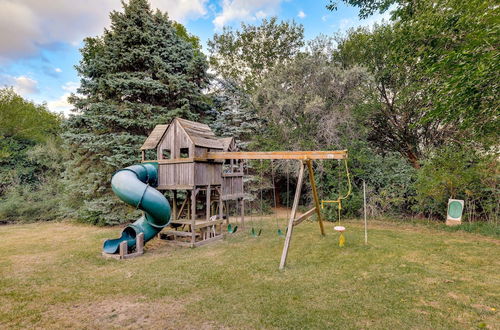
pixel 53 276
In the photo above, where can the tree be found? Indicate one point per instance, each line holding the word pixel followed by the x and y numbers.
pixel 307 104
pixel 139 73
pixel 241 60
pixel 29 170
pixel 247 55
pixel 394 104
pixel 450 46
pixel 24 125
pixel 24 119
pixel 236 114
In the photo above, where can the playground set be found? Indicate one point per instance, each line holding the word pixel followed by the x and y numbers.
pixel 203 172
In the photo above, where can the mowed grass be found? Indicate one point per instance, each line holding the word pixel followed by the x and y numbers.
pixel 52 275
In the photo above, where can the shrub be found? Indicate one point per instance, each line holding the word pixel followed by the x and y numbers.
pixel 459 172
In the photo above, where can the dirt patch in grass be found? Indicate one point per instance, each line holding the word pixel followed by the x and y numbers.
pixel 127 312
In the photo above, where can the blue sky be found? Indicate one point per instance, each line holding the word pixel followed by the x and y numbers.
pixel 40 39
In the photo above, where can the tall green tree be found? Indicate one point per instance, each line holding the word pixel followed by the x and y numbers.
pixel 30 160
pixel 308 103
pixel 242 59
pixel 139 73
pixel 393 108
pixel 451 48
pixel 24 125
pixel 247 55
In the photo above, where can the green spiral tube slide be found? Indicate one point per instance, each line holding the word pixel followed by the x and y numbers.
pixel 134 185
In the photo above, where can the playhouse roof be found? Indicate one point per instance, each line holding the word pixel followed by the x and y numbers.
pixel 155 137
pixel 226 142
pixel 201 134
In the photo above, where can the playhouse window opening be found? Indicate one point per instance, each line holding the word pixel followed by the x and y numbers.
pixel 184 153
pixel 166 154
pixel 150 154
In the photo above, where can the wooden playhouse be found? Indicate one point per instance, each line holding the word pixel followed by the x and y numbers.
pixel 200 187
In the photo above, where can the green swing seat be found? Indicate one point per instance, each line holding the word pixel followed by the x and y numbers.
pixel 255 233
pixel 231 229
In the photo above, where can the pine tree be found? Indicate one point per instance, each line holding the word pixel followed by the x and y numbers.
pixel 139 73
pixel 236 116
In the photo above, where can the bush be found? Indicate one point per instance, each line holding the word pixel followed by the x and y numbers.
pixel 459 172
pixel 389 182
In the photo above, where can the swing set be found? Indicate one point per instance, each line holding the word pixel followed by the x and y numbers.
pixel 257 232
pixel 306 159
pixel 339 200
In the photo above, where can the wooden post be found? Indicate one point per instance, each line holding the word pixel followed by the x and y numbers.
pixel 364 208
pixel 188 198
pixel 139 243
pixel 242 213
pixel 209 189
pixel 296 199
pixel 315 196
pixel 123 249
pixel 174 205
pixel 221 212
pixel 193 215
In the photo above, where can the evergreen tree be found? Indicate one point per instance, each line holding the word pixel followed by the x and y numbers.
pixel 139 73
pixel 236 115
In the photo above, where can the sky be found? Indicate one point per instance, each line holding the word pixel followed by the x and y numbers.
pixel 40 39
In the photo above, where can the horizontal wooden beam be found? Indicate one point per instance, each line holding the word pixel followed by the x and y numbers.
pixel 303 155
pixel 232 175
pixel 304 216
pixel 182 160
pixel 175 187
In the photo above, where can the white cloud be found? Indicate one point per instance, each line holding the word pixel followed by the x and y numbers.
pixel 181 10
pixel 58 70
pixel 70 86
pixel 301 14
pixel 28 25
pixel 60 105
pixel 324 18
pixel 245 10
pixel 23 85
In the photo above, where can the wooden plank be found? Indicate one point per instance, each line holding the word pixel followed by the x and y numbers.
pixel 304 216
pixel 199 224
pixel 179 233
pixel 207 202
pixel 174 161
pixel 139 243
pixel 232 196
pixel 209 240
pixel 242 213
pixel 221 211
pixel 123 249
pixel 175 187
pixel 174 206
pixel 193 214
pixel 301 155
pixel 230 175
pixel 315 196
pixel 289 231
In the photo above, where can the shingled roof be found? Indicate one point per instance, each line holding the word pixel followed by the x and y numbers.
pixel 200 134
pixel 155 137
pixel 226 142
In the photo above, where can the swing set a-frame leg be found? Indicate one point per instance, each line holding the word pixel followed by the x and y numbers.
pixel 289 231
pixel 315 196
